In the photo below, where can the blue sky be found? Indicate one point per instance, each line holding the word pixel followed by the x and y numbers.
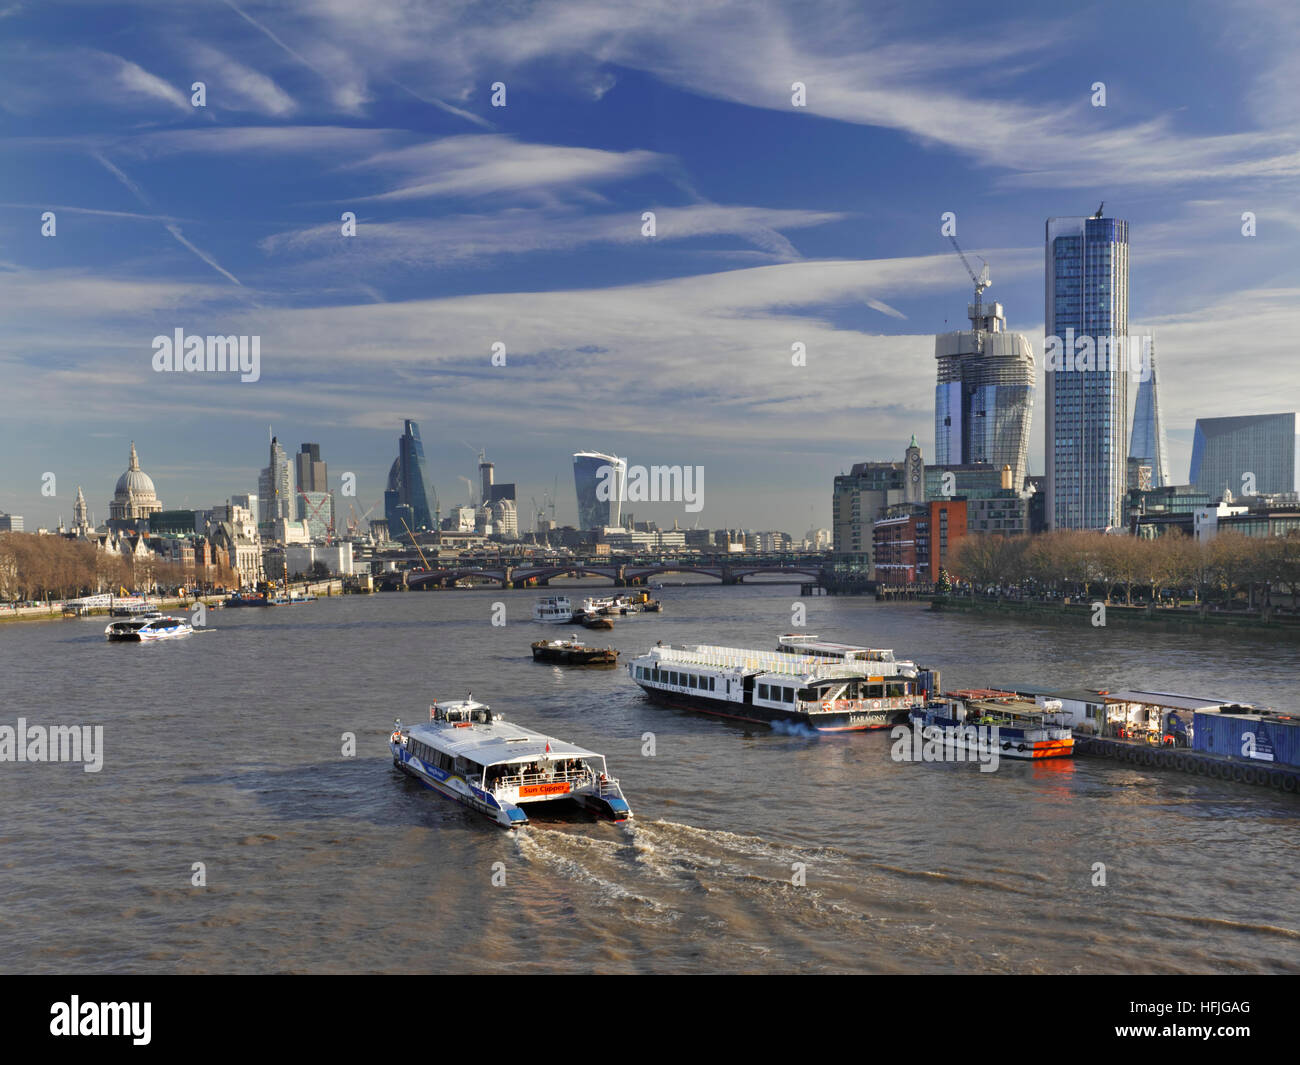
pixel 522 225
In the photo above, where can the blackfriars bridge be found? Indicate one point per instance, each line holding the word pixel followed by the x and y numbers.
pixel 538 573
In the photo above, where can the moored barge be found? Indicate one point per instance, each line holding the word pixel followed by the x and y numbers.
pixel 573 652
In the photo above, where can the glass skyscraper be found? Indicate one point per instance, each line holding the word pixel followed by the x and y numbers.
pixel 1086 435
pixel 275 490
pixel 985 395
pixel 1225 450
pixel 1149 446
pixel 405 499
pixel 594 512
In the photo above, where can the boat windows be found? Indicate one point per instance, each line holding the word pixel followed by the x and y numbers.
pixel 787 695
pixel 693 680
pixel 762 691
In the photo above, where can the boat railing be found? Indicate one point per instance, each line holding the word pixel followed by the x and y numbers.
pixel 828 706
pixel 523 780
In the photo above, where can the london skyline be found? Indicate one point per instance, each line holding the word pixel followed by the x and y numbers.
pixel 521 226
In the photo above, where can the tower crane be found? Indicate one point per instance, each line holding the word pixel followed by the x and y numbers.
pixel 981 281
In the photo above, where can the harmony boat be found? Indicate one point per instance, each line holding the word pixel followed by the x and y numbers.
pixel 772 688
pixel 148 627
pixel 978 720
pixel 573 652
pixel 469 753
pixel 554 608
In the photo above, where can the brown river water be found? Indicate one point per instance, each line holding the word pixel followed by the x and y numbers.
pixel 226 748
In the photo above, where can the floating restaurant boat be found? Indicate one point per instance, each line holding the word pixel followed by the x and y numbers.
pixel 773 688
pixel 469 753
pixel 1024 729
pixel 553 609
pixel 573 652
pixel 148 628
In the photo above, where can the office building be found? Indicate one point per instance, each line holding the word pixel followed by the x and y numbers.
pixel 596 474
pixel 1085 359
pixel 275 490
pixel 984 397
pixel 1249 455
pixel 1148 448
pixel 406 501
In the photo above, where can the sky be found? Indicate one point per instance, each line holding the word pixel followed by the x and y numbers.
pixel 518 229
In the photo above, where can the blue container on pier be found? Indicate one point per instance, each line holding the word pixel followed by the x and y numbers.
pixel 1273 738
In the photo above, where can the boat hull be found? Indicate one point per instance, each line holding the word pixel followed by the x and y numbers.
pixel 1011 743
pixel 830 721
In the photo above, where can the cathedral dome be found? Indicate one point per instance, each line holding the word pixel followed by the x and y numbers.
pixel 134 496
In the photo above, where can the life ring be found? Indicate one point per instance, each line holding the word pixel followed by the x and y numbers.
pixel 875 704
pixel 827 706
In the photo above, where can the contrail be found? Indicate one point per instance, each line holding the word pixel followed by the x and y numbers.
pixel 171 227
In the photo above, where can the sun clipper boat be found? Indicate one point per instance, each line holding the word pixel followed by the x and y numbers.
pixel 1024 729
pixel 469 753
pixel 148 628
pixel 771 688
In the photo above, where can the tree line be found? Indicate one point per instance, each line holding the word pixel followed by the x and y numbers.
pixel 1224 569
pixel 36 567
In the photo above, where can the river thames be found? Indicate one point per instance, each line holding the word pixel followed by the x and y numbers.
pixel 750 851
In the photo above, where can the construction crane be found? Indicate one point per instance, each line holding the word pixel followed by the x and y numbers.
pixel 1099 209
pixel 981 282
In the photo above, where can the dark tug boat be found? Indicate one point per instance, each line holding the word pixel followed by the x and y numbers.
pixel 573 652
pixel 776 689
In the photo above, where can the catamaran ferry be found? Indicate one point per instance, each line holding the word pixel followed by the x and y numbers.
pixel 1024 729
pixel 469 753
pixel 148 627
pixel 771 688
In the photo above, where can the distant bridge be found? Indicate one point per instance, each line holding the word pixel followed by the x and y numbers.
pixel 534 573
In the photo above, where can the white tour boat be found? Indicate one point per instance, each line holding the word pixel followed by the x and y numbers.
pixel 469 753
pixel 148 627
pixel 553 608
pixel 773 688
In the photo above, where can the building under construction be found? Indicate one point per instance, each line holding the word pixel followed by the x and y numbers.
pixel 984 397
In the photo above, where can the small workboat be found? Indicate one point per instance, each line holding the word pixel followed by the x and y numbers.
pixel 594 621
pixel 572 652
pixel 469 753
pixel 983 720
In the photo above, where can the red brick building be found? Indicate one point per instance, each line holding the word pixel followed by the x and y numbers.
pixel 911 544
